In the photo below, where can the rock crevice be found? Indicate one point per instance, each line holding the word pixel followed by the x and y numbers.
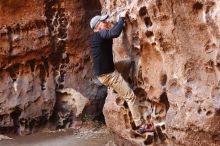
pixel 44 48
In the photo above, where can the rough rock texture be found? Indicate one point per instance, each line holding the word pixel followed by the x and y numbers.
pixel 171 53
pixel 175 47
pixel 69 105
pixel 44 47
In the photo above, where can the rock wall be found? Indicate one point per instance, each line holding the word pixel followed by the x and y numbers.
pixel 44 49
pixel 175 49
pixel 168 52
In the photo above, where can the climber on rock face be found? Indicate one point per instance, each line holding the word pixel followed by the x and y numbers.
pixel 102 40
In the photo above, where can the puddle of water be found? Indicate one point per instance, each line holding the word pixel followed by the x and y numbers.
pixel 83 137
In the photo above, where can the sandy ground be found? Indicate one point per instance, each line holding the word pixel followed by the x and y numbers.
pixel 83 137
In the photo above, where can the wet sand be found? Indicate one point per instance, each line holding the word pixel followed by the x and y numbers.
pixel 81 137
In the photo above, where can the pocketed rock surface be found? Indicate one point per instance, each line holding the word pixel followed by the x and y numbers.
pixel 45 57
pixel 175 49
pixel 169 51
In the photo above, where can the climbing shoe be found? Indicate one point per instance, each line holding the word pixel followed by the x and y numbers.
pixel 145 128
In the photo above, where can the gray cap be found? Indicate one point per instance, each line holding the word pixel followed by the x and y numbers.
pixel 96 19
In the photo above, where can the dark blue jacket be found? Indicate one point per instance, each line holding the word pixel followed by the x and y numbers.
pixel 102 48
